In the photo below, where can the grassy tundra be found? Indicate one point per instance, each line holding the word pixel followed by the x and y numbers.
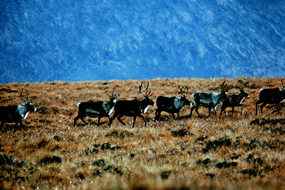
pixel 209 153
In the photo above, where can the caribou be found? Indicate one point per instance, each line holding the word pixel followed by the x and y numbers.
pixel 234 100
pixel 209 100
pixel 96 109
pixel 133 108
pixel 16 113
pixel 270 96
pixel 172 104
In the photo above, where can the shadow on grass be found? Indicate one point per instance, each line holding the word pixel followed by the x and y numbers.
pixel 170 118
pixel 13 127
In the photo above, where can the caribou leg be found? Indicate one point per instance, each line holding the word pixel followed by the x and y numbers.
pixel 196 110
pixel 82 119
pixel 134 120
pixel 119 119
pixel 190 115
pixel 262 105
pixel 75 119
pixel 209 111
pixel 157 115
pixel 79 117
pixel 98 123
pixel 233 110
pixel 222 110
pixel 111 120
pixel 256 106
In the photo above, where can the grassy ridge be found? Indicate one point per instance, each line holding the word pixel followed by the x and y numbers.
pixel 193 153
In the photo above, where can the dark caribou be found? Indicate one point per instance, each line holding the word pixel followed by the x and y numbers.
pixel 172 104
pixel 16 113
pixel 270 96
pixel 133 108
pixel 234 100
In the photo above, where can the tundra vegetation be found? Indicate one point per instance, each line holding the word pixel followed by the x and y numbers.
pixel 228 152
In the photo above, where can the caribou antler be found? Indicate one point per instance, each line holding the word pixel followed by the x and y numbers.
pixel 21 92
pixel 140 87
pixel 223 86
pixel 146 90
pixel 115 94
pixel 282 83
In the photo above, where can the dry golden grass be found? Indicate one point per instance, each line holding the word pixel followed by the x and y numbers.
pixel 91 157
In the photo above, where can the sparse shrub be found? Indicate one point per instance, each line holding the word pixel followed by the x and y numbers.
pixel 118 171
pixel 50 160
pixel 97 147
pixel 42 143
pixel 109 146
pixel 215 144
pixel 276 144
pixel 80 175
pixel 204 162
pixel 276 130
pixel 102 166
pixel 251 172
pixel 225 164
pixel 180 132
pixel 14 170
pixel 57 137
pixel 43 110
pixel 172 152
pixel 235 156
pixel 201 138
pixel 99 163
pixel 55 110
pixel 132 155
pixel 255 160
pixel 254 143
pixel 165 174
pixel 119 134
pixel 7 160
pixel 92 150
pixel 267 121
pixel 97 172
pixel 210 175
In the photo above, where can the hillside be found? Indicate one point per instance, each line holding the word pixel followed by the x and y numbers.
pixel 102 40
pixel 209 153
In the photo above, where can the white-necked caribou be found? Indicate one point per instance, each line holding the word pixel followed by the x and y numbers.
pixel 16 113
pixel 207 99
pixel 172 104
pixel 96 109
pixel 133 108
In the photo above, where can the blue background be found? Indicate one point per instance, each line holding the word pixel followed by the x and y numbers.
pixel 43 40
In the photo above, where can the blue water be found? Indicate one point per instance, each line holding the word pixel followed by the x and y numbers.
pixel 43 40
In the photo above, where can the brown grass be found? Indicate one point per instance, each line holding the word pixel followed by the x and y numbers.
pixel 146 157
